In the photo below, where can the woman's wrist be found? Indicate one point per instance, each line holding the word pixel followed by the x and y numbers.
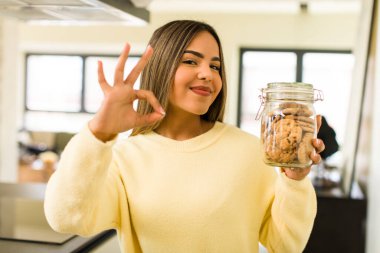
pixel 296 173
pixel 102 136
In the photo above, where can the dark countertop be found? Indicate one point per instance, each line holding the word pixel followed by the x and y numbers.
pixel 36 192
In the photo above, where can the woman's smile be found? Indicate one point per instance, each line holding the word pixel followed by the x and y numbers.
pixel 201 90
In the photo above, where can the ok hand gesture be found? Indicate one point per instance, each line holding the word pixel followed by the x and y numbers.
pixel 116 113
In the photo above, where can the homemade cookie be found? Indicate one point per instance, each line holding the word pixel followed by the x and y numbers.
pixel 306 127
pixel 281 140
pixel 287 156
pixel 287 132
pixel 296 134
pixel 305 148
pixel 298 111
pixel 292 105
pixel 300 118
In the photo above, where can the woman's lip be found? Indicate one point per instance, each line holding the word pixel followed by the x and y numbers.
pixel 202 91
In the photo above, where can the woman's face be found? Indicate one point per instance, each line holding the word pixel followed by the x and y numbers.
pixel 197 81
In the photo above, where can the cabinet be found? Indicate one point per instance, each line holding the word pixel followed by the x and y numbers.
pixel 339 227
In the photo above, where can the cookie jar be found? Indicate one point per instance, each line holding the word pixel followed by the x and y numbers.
pixel 288 123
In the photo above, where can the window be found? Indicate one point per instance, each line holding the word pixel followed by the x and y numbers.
pixel 93 94
pixel 54 83
pixel 329 71
pixel 64 88
pixel 260 68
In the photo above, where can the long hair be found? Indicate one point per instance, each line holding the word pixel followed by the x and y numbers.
pixel 169 43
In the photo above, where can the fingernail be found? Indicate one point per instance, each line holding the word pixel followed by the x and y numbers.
pixel 318 142
pixel 148 48
pixel 162 111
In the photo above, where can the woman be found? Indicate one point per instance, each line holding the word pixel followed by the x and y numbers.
pixel 184 181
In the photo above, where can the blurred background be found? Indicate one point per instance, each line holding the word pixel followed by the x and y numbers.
pixel 48 85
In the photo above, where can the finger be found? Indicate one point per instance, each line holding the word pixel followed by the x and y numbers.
pixel 152 100
pixel 296 173
pixel 101 79
pixel 148 119
pixel 319 122
pixel 132 77
pixel 319 145
pixel 295 170
pixel 119 71
pixel 315 157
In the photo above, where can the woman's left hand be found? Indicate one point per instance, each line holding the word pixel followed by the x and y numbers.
pixel 319 146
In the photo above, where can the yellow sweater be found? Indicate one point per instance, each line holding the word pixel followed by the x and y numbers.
pixel 210 194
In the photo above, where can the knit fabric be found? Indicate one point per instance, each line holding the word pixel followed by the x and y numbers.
pixel 211 194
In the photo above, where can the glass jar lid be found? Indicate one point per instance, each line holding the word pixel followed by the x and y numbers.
pixel 290 84
pixel 289 87
pixel 291 91
pixel 288 91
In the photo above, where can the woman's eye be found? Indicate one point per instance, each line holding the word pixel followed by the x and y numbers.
pixel 214 67
pixel 191 62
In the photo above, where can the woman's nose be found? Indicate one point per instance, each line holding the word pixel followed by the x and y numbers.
pixel 205 72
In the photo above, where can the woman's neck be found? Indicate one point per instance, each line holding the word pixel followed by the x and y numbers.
pixel 183 127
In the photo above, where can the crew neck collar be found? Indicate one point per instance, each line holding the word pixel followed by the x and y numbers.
pixel 193 144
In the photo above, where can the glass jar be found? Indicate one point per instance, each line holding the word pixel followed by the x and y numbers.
pixel 288 123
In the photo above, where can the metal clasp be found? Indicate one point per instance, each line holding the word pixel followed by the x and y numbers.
pixel 319 95
pixel 263 99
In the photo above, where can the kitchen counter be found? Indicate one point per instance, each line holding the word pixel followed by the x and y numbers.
pixel 33 195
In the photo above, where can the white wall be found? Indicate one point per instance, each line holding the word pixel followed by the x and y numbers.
pixel 373 224
pixel 9 95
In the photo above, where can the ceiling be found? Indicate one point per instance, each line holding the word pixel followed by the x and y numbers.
pixel 75 11
pixel 284 6
pixel 137 12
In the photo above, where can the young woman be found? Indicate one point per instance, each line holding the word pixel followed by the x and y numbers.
pixel 184 181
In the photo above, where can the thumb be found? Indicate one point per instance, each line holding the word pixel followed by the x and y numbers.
pixel 319 122
pixel 149 119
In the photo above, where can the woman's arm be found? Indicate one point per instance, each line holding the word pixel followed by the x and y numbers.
pixel 83 195
pixel 289 220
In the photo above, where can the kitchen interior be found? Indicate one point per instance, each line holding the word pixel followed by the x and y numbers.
pixel 48 91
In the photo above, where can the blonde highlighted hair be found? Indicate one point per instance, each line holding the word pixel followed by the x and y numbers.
pixel 169 43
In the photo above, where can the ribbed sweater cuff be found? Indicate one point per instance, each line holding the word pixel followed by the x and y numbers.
pixel 297 185
pixel 89 136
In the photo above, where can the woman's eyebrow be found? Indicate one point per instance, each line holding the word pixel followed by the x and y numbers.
pixel 215 58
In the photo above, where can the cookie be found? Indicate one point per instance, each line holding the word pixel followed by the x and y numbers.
pixel 287 157
pixel 292 105
pixel 287 133
pixel 300 118
pixel 306 127
pixel 305 148
pixel 296 133
pixel 281 140
pixel 284 126
pixel 297 111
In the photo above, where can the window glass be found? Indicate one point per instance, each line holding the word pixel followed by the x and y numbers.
pixel 54 83
pixel 64 88
pixel 93 95
pixel 258 69
pixel 331 73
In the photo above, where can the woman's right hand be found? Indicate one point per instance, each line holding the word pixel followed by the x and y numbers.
pixel 116 113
